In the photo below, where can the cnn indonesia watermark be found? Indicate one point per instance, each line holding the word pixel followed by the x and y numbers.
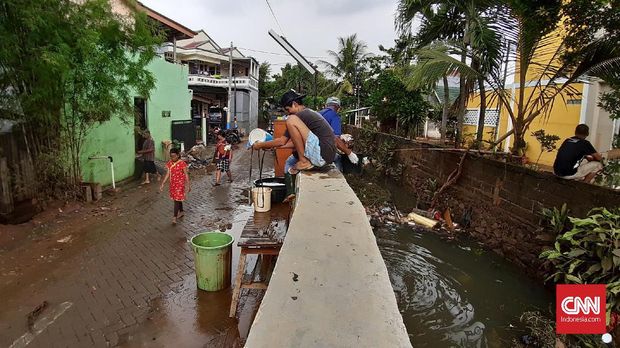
pixel 580 309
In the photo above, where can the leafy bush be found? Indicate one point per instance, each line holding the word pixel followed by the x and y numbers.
pixel 589 253
pixel 556 218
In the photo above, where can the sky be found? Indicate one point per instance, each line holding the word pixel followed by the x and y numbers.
pixel 312 26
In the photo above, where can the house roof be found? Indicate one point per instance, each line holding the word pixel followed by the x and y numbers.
pixel 172 28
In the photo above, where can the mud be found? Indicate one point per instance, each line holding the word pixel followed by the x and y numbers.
pixel 85 255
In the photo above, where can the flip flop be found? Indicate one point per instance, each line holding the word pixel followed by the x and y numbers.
pixel 308 167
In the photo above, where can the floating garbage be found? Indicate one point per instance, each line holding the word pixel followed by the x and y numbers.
pixel 422 220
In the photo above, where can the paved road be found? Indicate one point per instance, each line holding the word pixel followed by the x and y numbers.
pixel 130 281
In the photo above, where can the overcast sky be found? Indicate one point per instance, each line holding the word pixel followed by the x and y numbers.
pixel 312 26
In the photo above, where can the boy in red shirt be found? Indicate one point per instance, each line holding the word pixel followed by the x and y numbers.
pixel 223 155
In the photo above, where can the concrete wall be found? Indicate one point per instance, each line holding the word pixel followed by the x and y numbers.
pixel 170 94
pixel 505 199
pixel 330 286
pixel 116 138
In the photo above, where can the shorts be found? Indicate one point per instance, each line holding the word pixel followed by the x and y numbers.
pixel 313 150
pixel 149 167
pixel 584 169
pixel 223 165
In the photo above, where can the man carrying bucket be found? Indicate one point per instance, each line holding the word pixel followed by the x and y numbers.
pixel 307 132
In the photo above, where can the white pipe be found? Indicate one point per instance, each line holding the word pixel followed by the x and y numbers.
pixel 203 125
pixel 111 166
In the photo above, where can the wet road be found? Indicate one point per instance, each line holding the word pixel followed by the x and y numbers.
pixel 127 279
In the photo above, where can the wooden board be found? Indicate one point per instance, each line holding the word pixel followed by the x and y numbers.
pixel 266 230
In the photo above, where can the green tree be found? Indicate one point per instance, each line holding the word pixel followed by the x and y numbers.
pixel 461 28
pixel 297 78
pixel 70 66
pixel 543 76
pixel 392 102
pixel 348 64
pixel 264 71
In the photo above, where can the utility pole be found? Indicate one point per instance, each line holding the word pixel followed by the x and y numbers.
pixel 230 72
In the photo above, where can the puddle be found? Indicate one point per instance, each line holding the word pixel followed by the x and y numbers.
pixel 189 317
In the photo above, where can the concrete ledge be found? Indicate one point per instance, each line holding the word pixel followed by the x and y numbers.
pixel 330 286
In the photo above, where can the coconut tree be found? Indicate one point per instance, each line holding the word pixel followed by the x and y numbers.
pixel 465 26
pixel 542 76
pixel 348 63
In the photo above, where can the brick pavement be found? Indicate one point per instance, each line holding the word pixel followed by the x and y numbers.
pixel 132 260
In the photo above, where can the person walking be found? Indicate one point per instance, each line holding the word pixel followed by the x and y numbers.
pixel 223 154
pixel 148 155
pixel 176 171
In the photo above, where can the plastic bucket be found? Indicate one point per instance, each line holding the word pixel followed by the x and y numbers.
pixel 277 186
pixel 212 260
pixel 258 134
pixel 261 196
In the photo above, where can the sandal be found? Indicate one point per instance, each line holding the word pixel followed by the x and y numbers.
pixel 216 184
pixel 308 167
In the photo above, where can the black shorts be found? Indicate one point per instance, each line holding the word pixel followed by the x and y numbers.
pixel 149 167
pixel 223 165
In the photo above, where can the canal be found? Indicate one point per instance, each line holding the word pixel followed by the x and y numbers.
pixel 453 293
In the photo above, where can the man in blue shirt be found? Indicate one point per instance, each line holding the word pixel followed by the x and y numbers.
pixel 332 106
pixel 330 113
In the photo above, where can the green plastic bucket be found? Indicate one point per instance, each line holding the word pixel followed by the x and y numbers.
pixel 213 260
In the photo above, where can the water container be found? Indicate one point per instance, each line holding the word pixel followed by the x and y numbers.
pixel 261 196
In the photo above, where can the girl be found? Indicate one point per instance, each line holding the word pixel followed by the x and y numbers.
pixel 176 170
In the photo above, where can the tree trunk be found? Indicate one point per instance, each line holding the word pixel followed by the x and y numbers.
pixel 483 106
pixel 462 105
pixel 446 108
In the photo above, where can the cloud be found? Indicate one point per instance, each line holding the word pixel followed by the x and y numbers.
pixel 313 27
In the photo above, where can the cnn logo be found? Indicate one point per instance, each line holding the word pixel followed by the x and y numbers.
pixel 574 305
pixel 580 309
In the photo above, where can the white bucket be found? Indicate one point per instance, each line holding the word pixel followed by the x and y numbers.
pixel 261 196
pixel 258 134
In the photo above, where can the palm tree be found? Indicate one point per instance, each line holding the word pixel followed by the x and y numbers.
pixel 464 26
pixel 348 63
pixel 542 76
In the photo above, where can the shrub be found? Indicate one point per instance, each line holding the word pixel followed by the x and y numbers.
pixel 589 253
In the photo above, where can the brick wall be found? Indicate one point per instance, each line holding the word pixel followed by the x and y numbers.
pixel 505 199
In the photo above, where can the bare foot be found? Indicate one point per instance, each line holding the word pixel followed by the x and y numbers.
pixel 289 198
pixel 174 221
pixel 145 182
pixel 181 214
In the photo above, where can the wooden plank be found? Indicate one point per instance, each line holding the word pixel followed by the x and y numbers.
pixel 261 286
pixel 266 229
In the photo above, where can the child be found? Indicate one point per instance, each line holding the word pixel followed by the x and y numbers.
pixel 223 154
pixel 176 170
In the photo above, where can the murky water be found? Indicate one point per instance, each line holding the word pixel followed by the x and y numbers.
pixel 454 294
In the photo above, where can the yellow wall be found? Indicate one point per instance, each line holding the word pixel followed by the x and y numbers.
pixel 561 121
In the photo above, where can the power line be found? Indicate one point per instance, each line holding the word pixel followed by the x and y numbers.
pixel 274 16
pixel 278 54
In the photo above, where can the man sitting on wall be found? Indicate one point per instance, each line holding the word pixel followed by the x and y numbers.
pixel 332 105
pixel 307 132
pixel 577 159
